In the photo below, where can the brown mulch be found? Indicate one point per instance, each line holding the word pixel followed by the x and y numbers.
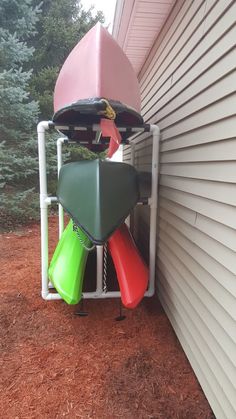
pixel 56 364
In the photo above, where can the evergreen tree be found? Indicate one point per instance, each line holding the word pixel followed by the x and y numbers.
pixel 18 114
pixel 35 39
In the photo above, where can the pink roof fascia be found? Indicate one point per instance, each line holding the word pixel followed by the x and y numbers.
pixel 136 26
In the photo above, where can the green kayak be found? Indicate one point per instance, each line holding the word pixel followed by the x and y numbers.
pixel 98 195
pixel 66 270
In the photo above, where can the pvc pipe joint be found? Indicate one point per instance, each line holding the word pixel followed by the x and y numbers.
pixel 43 126
pixel 61 140
pixel 50 199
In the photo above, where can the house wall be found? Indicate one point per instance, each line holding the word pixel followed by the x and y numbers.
pixel 188 89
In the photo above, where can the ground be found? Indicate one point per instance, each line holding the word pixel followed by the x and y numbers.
pixel 56 364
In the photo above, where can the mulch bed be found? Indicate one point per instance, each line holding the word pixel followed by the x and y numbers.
pixel 56 364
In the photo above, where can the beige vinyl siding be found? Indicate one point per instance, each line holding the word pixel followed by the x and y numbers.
pixel 188 88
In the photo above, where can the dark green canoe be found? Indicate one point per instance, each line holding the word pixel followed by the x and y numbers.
pixel 98 195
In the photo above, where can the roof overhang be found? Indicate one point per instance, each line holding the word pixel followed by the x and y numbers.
pixel 136 26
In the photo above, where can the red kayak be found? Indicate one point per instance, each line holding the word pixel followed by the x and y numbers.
pixel 97 81
pixel 132 272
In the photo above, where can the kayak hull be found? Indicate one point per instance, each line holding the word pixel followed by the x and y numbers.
pixel 66 270
pixel 98 195
pixel 132 272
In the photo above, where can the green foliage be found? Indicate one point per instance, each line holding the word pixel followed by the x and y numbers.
pixel 61 25
pixel 35 39
pixel 42 86
pixel 18 209
pixel 77 153
pixel 16 167
pixel 18 113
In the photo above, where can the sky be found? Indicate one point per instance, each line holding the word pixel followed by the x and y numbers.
pixel 107 6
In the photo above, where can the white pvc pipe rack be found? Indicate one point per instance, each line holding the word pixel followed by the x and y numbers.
pixel 46 200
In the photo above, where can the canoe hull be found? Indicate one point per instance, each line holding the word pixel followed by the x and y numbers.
pixel 86 112
pixel 96 69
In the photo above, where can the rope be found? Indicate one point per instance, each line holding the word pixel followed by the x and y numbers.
pixel 105 268
pixel 109 111
pixel 82 241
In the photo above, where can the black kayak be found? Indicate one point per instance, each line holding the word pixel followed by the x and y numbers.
pixel 98 195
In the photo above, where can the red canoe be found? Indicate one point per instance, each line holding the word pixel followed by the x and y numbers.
pixel 131 270
pixel 97 69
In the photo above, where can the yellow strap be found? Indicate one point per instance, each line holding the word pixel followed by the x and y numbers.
pixel 109 111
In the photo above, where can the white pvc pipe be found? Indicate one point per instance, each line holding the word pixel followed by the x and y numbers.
pixel 52 296
pixel 153 209
pixel 132 161
pixel 108 294
pixel 91 295
pixel 50 199
pixel 87 295
pixel 41 128
pixel 60 141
